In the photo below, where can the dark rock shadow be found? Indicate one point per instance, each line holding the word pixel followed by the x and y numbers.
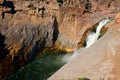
pixel 39 46
pixel 3 50
pixel 55 31
pixel 60 1
pixel 43 11
pixel 8 4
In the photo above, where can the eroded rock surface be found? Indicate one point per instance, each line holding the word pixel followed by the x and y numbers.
pixel 27 27
pixel 99 62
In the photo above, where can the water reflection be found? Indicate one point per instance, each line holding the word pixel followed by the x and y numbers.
pixel 41 69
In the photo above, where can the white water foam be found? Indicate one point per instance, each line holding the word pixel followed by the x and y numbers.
pixel 92 37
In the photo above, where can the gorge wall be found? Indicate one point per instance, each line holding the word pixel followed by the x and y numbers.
pixel 28 27
pixel 98 62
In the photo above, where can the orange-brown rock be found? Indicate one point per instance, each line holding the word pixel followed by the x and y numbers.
pixel 100 61
pixel 117 18
pixel 30 26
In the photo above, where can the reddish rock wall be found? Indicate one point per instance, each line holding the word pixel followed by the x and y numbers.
pixel 33 24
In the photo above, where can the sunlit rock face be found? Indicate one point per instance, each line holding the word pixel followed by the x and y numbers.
pixel 100 61
pixel 81 19
pixel 92 37
pixel 21 32
pixel 34 25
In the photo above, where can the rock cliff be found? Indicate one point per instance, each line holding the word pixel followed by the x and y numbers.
pixel 98 62
pixel 28 27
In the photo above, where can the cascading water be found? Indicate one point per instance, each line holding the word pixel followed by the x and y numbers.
pixel 92 37
pixel 46 66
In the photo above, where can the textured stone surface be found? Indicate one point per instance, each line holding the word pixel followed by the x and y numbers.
pixel 100 61
pixel 36 25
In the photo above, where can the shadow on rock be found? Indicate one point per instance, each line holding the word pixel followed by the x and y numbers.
pixel 55 31
pixel 3 50
pixel 8 4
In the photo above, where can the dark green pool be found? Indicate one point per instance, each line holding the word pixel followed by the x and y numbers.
pixel 42 68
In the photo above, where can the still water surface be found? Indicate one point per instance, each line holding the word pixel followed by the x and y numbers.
pixel 41 69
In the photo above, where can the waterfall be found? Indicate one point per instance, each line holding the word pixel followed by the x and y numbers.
pixel 101 24
pixel 93 36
